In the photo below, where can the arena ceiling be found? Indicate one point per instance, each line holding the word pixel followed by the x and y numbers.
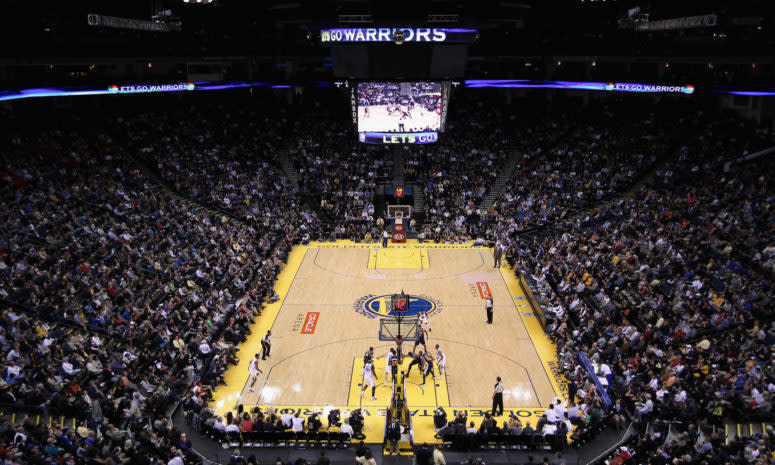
pixel 508 27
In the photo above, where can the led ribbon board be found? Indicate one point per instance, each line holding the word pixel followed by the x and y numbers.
pixel 581 85
pixel 145 88
pixel 387 34
pixel 398 137
pixel 648 88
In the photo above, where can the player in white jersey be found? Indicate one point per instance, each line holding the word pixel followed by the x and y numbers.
pixel 368 379
pixel 441 360
pixel 254 372
pixel 423 317
pixel 388 370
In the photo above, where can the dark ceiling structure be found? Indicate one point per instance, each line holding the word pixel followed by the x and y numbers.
pixel 280 39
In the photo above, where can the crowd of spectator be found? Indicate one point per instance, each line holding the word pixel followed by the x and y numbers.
pixel 118 296
pixel 156 292
pixel 669 293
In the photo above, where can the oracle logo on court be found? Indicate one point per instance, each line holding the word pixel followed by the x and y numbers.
pixel 310 322
pixel 484 290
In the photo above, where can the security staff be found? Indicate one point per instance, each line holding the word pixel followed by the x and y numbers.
pixel 497 254
pixel 497 398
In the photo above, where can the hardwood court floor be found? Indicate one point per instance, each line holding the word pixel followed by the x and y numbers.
pixel 339 285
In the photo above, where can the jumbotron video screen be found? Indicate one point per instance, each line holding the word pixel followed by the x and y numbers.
pixel 403 107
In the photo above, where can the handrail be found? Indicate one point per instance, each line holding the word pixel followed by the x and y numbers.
pixel 608 451
pixel 755 155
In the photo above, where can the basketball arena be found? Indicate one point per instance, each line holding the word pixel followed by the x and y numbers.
pixel 388 233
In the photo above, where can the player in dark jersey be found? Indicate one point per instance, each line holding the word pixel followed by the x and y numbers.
pixel 427 367
pixel 368 357
pixel 422 334
pixel 416 360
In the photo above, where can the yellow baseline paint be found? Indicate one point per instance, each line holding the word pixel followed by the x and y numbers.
pixel 372 259
pixel 546 348
pixel 410 244
pixel 226 397
pixel 424 260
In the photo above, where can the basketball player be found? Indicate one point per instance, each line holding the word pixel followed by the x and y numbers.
pixel 416 360
pixel 368 379
pixel 423 317
pixel 254 372
pixel 368 357
pixel 421 335
pixel 441 360
pixel 427 367
pixel 388 368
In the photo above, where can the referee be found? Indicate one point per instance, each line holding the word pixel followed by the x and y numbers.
pixel 266 345
pixel 488 306
pixel 497 398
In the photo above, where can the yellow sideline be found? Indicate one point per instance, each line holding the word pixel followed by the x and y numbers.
pixel 225 397
pixel 546 348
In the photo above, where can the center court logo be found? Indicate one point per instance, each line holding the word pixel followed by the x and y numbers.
pixel 374 306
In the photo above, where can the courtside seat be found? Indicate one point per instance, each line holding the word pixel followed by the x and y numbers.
pixel 284 438
pixel 321 437
pixel 340 440
pixel 536 441
pixel 252 438
pixel 216 435
pixel 300 438
pixel 234 439
pixel 448 440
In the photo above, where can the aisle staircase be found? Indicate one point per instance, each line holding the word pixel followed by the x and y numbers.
pixel 285 160
pixel 399 161
pixel 747 429
pixel 501 181
pixel 167 188
pixel 18 418
pixel 418 209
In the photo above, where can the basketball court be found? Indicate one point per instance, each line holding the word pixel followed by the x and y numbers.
pixel 380 120
pixel 332 297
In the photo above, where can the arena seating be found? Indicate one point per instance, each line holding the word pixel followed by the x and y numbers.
pixel 110 285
